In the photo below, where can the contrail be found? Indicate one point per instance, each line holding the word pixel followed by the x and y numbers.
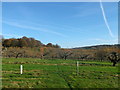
pixel 106 22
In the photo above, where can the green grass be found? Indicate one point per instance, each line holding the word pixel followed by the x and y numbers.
pixel 58 74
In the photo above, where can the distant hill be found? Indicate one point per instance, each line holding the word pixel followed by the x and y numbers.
pixel 98 46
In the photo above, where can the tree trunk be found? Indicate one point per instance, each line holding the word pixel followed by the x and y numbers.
pixel 114 63
pixel 41 56
pixel 17 55
pixel 65 57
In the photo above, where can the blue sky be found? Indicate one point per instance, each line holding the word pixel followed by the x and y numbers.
pixel 68 24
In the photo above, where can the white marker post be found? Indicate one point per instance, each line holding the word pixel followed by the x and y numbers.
pixel 77 67
pixel 21 69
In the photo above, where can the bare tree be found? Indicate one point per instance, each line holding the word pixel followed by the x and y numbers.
pixel 44 51
pixel 114 58
pixel 83 56
pixel 64 53
pixel 100 54
pixel 13 52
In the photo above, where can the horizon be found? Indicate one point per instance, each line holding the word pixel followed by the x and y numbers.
pixel 67 24
pixel 66 48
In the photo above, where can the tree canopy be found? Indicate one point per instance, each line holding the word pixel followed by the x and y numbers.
pixel 25 42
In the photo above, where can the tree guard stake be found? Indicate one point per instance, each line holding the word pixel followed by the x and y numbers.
pixel 77 67
pixel 21 69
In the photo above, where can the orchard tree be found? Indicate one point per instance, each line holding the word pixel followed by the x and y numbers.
pixel 114 58
pixel 64 53
pixel 83 56
pixel 44 51
pixel 100 54
pixel 13 52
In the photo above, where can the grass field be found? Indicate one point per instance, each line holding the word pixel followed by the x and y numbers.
pixel 39 73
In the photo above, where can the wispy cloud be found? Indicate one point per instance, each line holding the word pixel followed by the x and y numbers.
pixel 84 12
pixel 32 28
pixel 115 40
pixel 11 35
pixel 105 19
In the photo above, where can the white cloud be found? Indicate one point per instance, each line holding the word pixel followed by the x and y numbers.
pixel 106 41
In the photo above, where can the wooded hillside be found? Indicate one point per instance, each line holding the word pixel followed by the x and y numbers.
pixel 25 42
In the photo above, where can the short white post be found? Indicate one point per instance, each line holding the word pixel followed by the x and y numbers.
pixel 77 67
pixel 21 69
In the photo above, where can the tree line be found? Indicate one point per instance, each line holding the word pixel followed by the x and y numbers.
pixel 30 48
pixel 25 42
